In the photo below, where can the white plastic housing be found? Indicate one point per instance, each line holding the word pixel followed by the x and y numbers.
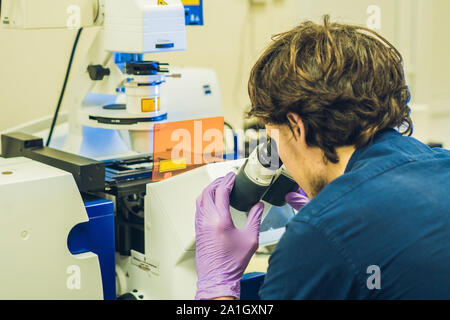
pixel 39 205
pixel 140 26
pixel 170 209
pixel 135 93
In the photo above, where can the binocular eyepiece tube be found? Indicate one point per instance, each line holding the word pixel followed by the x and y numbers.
pixel 262 177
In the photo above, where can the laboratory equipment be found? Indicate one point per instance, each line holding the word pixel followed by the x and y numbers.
pixel 262 176
pixel 115 98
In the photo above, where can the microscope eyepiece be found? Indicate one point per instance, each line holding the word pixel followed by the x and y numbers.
pixel 268 155
pixel 255 178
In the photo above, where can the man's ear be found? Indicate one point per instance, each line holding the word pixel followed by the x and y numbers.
pixel 297 126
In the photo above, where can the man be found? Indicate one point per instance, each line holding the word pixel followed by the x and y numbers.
pixel 378 223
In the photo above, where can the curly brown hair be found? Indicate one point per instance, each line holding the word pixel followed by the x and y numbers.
pixel 346 83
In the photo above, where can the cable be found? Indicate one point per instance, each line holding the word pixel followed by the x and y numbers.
pixel 227 124
pixel 61 96
pixel 98 11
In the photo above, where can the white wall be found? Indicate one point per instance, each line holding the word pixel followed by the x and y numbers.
pixel 435 59
pixel 32 69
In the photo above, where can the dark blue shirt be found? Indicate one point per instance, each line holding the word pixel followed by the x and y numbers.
pixel 379 231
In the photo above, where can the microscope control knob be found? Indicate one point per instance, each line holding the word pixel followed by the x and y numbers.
pixel 97 72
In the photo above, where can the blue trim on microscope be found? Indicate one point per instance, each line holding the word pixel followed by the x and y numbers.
pixel 97 236
pixel 194 14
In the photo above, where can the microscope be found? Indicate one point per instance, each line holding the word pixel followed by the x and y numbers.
pixel 100 220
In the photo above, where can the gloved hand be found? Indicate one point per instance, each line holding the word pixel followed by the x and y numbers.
pixel 222 251
pixel 297 199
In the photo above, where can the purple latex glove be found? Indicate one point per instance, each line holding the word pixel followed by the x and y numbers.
pixel 222 251
pixel 297 199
